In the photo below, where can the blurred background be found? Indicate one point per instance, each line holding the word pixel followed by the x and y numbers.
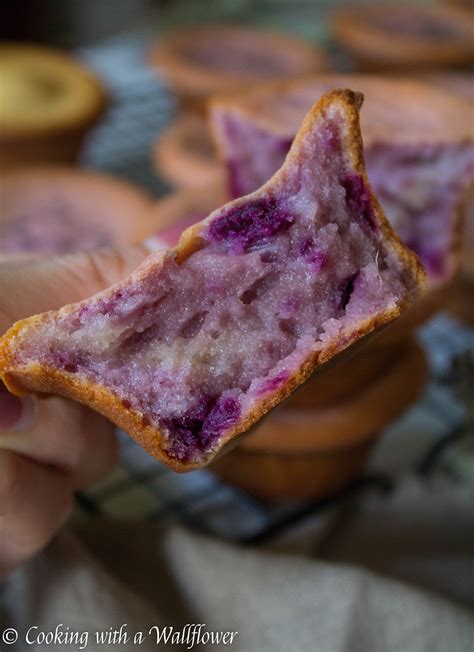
pixel 130 104
pixel 84 23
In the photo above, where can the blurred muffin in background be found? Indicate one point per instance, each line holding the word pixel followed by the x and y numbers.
pixel 199 61
pixel 58 210
pixel 405 36
pixel 49 102
pixel 461 299
pixel 184 155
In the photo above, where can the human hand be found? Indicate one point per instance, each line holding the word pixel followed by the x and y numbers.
pixel 50 447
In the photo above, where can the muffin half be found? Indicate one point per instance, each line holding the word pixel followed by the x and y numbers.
pixel 202 340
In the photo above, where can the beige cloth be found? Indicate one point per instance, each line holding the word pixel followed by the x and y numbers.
pixel 142 576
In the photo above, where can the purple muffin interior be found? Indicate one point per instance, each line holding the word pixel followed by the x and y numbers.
pixel 419 186
pixel 194 346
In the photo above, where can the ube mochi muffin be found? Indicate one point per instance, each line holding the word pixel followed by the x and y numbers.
pixel 202 340
pixel 49 102
pixel 59 210
pixel 405 36
pixel 418 147
pixel 463 84
pixel 199 61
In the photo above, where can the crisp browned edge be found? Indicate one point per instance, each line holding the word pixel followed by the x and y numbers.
pixel 40 378
pixel 96 109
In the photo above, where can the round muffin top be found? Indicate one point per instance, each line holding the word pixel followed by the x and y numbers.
pixel 206 59
pixel 404 111
pixel 45 90
pixel 408 34
pixel 58 210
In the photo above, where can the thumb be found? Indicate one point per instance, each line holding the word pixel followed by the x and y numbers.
pixel 32 286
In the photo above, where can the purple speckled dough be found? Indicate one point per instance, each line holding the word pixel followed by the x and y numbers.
pixel 246 226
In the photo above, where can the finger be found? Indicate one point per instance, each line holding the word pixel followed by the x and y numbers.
pixel 33 286
pixel 59 433
pixel 98 447
pixel 35 501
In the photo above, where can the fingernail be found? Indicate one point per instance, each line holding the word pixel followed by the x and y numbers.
pixel 15 412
